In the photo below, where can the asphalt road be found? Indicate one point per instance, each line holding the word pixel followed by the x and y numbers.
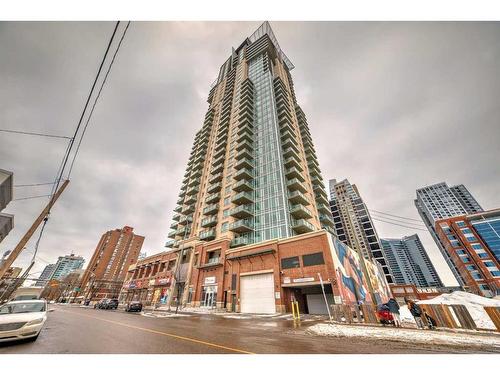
pixel 80 330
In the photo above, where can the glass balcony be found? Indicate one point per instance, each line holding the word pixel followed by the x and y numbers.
pixel 287 135
pixel 289 151
pixel 218 168
pixel 220 153
pixel 193 190
pixel 207 235
pixel 245 137
pixel 188 209
pixel 243 185
pixel 241 226
pixel 186 219
pixel 243 173
pixel 178 209
pixel 244 153
pixel 317 181
pixel 294 173
pixel 302 226
pixel 295 184
pixel 174 225
pixel 172 234
pixel 245 144
pixel 215 177
pixel 193 182
pixel 326 219
pixel 297 197
pixel 209 221
pixel 321 197
pixel 242 211
pixel 196 173
pixel 323 208
pixel 176 217
pixel 240 241
pixel 172 244
pixel 299 211
pixel 219 160
pixel 245 129
pixel 293 161
pixel 242 198
pixel 214 187
pixel 212 198
pixel 210 210
pixel 180 200
pixel 190 199
pixel 243 163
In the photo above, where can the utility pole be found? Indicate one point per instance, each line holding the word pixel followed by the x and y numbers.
pixel 43 216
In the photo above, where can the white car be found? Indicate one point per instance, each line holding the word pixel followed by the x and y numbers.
pixel 22 319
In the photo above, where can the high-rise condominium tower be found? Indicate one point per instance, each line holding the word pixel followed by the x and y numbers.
pixel 353 223
pixel 439 201
pixel 253 174
pixel 409 262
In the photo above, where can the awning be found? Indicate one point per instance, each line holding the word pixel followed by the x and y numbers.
pixel 251 253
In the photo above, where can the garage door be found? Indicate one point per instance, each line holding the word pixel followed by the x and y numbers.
pixel 316 303
pixel 257 293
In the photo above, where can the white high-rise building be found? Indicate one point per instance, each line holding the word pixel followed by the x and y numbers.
pixel 439 201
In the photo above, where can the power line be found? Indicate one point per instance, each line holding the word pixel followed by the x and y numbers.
pixel 400 225
pixel 32 197
pixel 97 98
pixel 35 134
pixel 400 222
pixel 38 184
pixel 401 217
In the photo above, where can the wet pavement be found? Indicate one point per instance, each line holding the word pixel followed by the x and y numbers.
pixel 72 329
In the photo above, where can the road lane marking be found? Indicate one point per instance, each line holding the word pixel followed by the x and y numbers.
pixel 163 333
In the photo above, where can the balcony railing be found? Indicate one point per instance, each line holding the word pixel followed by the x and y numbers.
pixel 243 173
pixel 241 226
pixel 242 211
pixel 297 197
pixel 209 210
pixel 295 184
pixel 242 198
pixel 207 235
pixel 209 221
pixel 214 187
pixel 302 226
pixel 299 211
pixel 242 185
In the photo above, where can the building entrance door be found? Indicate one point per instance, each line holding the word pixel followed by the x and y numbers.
pixel 209 298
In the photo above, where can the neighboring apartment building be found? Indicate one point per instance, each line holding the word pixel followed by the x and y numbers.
pixel 253 225
pixel 439 201
pixel 46 275
pixel 465 239
pixel 6 191
pixel 116 251
pixel 409 263
pixel 353 223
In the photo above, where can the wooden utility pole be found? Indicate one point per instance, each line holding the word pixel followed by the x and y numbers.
pixel 20 246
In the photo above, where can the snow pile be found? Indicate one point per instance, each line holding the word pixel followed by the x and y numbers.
pixel 472 302
pixel 406 335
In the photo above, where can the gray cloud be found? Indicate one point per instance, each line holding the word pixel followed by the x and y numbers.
pixel 391 106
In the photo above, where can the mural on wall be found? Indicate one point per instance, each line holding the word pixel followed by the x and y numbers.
pixel 351 280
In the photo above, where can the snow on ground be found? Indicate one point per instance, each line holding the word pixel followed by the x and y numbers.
pixel 409 335
pixel 472 302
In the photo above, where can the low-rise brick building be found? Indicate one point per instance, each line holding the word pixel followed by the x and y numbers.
pixel 259 278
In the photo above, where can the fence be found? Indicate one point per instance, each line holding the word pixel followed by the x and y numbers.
pixel 446 316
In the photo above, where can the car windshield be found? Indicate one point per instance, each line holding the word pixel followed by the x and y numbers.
pixel 17 308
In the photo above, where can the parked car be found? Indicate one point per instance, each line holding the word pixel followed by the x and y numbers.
pixel 107 304
pixel 384 314
pixel 21 320
pixel 100 304
pixel 133 306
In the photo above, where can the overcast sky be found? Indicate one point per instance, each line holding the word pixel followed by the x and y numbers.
pixel 391 106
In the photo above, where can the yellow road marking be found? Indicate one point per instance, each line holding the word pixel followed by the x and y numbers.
pixel 163 333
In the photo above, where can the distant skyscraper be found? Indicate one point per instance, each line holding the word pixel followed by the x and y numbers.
pixel 115 252
pixel 46 275
pixel 6 187
pixel 439 201
pixel 409 263
pixel 253 174
pixel 353 223
pixel 67 264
